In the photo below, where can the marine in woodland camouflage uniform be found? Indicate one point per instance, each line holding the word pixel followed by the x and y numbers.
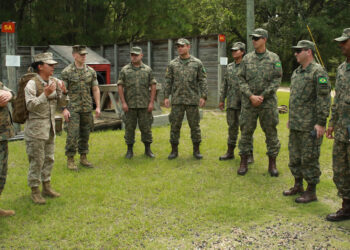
pixel 340 124
pixel 39 131
pixel 6 132
pixel 186 83
pixel 260 75
pixel 230 91
pixel 79 79
pixel 309 105
pixel 137 91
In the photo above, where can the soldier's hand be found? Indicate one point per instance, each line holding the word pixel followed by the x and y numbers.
pixel 329 133
pixel 5 97
pixel 97 112
pixel 320 130
pixel 66 115
pixel 221 105
pixel 62 86
pixel 201 102
pixel 150 107
pixel 166 103
pixel 125 107
pixel 256 100
pixel 49 89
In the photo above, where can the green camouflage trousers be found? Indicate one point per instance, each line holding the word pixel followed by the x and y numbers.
pixel 3 163
pixel 268 119
pixel 78 133
pixel 141 117
pixel 232 118
pixel 341 168
pixel 41 156
pixel 176 117
pixel 304 154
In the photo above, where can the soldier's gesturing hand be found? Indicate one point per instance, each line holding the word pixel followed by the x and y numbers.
pixel 221 105
pixel 66 115
pixel 49 89
pixel 125 107
pixel 320 130
pixel 62 86
pixel 5 97
pixel 329 133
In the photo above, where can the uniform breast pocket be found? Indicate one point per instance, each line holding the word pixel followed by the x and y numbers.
pixel 268 70
pixel 251 71
pixel 144 78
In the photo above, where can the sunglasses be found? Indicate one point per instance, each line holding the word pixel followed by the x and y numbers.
pixel 298 51
pixel 255 38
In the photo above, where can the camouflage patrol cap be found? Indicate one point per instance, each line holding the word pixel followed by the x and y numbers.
pixel 136 50
pixel 345 36
pixel 305 44
pixel 45 58
pixel 260 33
pixel 238 46
pixel 80 49
pixel 182 41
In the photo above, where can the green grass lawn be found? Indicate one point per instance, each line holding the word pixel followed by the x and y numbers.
pixel 183 203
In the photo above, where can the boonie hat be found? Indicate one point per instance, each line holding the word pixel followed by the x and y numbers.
pixel 136 50
pixel 345 36
pixel 182 41
pixel 45 58
pixel 238 46
pixel 80 49
pixel 260 33
pixel 305 44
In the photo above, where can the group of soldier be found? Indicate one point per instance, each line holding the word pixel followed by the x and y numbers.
pixel 249 89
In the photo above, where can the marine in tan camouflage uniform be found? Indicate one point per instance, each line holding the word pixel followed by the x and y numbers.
pixel 39 132
pixel 6 132
pixel 79 79
pixel 137 91
pixel 340 125
pixel 260 75
pixel 230 91
pixel 186 83
pixel 309 105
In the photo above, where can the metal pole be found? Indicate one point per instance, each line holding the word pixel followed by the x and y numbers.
pixel 250 23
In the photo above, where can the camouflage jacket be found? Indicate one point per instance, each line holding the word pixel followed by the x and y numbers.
pixel 136 82
pixel 230 88
pixel 41 109
pixel 79 83
pixel 6 127
pixel 340 119
pixel 186 82
pixel 260 76
pixel 310 97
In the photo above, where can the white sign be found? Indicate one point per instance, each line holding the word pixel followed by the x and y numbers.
pixel 13 61
pixel 223 60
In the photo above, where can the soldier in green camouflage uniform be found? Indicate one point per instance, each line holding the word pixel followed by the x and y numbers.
pixel 6 132
pixel 231 91
pixel 260 75
pixel 79 79
pixel 186 82
pixel 134 84
pixel 340 124
pixel 309 105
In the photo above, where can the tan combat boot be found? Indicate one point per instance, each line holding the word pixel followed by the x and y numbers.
pixel 6 213
pixel 85 162
pixel 71 164
pixel 36 196
pixel 48 191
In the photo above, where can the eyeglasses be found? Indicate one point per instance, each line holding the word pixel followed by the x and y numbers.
pixel 298 51
pixel 180 46
pixel 255 38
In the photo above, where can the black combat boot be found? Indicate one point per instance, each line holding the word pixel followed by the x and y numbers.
pixel 272 166
pixel 129 153
pixel 148 150
pixel 243 166
pixel 297 189
pixel 174 151
pixel 196 152
pixel 309 195
pixel 229 154
pixel 341 214
pixel 250 158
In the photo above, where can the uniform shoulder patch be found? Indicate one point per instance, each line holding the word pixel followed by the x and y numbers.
pixel 278 64
pixel 203 69
pixel 322 80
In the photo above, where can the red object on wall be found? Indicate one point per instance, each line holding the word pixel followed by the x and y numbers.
pixel 8 27
pixel 222 38
pixel 103 70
